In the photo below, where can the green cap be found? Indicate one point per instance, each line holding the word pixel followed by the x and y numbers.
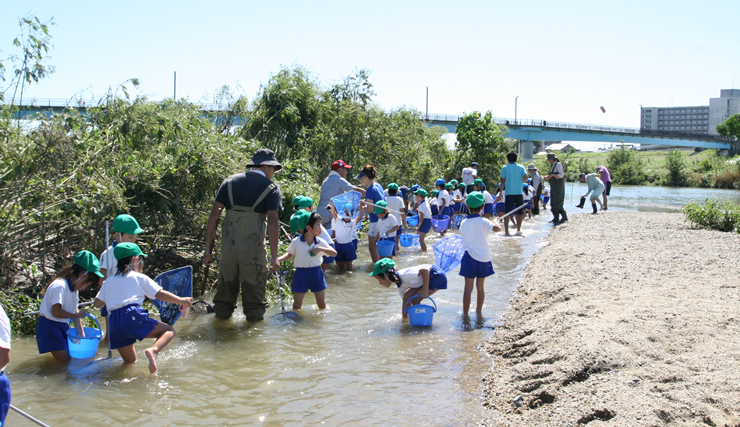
pixel 435 193
pixel 126 224
pixel 381 207
pixel 393 186
pixel 449 186
pixel 478 182
pixel 125 250
pixel 461 185
pixel 454 182
pixel 89 262
pixel 475 200
pixel 301 202
pixel 382 266
pixel 299 220
pixel 422 192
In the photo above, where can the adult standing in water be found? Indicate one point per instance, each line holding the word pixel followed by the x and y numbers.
pixel 334 185
pixel 606 178
pixel 252 202
pixel 373 194
pixel 537 185
pixel 557 189
pixel 469 175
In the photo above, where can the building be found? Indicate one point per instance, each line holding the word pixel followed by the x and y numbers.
pixel 700 119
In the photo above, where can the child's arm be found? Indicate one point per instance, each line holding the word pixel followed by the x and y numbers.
pixel 496 227
pixel 285 257
pixel 174 299
pixel 392 230
pixel 424 292
pixel 333 210
pixel 325 248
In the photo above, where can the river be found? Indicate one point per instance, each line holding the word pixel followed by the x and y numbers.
pixel 355 363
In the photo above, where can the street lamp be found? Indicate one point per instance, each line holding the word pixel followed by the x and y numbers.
pixel 515 102
pixel 427 102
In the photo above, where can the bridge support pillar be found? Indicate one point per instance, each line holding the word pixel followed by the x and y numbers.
pixel 526 150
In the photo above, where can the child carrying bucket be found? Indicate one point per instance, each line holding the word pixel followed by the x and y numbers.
pixel 425 216
pixel 343 229
pixel 476 262
pixel 60 304
pixel 421 280
pixel 307 249
pixel 387 225
pixel 123 294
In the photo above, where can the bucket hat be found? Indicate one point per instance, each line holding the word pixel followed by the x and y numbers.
pixel 263 156
pixel 531 167
pixel 550 156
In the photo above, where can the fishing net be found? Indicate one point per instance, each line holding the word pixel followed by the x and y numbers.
pixel 179 282
pixel 456 221
pixel 448 252
pixel 348 204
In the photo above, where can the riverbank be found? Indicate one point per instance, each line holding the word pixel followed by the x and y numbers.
pixel 623 318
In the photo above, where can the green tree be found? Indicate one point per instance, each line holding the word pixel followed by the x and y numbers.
pixel 29 66
pixel 625 167
pixel 481 140
pixel 730 127
pixel 676 165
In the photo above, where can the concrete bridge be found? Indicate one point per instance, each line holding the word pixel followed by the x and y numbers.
pixel 545 130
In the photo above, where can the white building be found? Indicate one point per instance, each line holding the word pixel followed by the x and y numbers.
pixel 700 119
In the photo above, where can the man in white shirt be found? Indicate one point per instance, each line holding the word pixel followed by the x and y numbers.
pixel 469 175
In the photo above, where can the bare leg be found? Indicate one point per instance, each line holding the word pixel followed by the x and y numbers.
pixel 128 354
pixel 519 219
pixel 61 355
pixel 423 236
pixel 320 299
pixel 481 294
pixel 164 334
pixel 466 294
pixel 348 265
pixel 373 245
pixel 298 300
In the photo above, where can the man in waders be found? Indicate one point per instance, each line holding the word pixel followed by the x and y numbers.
pixel 252 202
pixel 557 189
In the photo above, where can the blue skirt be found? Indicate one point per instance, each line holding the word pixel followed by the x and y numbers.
pixel 449 211
pixel 129 324
pixel 346 252
pixel 501 207
pixel 308 279
pixel 458 206
pixel 435 209
pixel 471 269
pixel 5 396
pixel 488 209
pixel 51 335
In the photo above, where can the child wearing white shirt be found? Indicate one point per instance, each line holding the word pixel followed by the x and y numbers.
pixel 344 230
pixel 307 249
pixel 476 262
pixel 387 224
pixel 421 281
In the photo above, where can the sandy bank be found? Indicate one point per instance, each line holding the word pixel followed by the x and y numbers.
pixel 624 319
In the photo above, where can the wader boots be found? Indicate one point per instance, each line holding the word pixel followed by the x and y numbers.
pixel 583 202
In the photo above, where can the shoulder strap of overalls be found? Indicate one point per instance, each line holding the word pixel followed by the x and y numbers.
pixel 231 193
pixel 264 194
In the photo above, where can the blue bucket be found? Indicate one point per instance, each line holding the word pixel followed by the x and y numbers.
pixel 412 219
pixel 420 314
pixel 87 346
pixel 440 223
pixel 385 248
pixel 407 240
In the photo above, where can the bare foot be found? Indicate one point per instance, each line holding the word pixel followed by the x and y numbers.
pixel 152 360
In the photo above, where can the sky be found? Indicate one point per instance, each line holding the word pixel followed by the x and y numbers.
pixel 563 60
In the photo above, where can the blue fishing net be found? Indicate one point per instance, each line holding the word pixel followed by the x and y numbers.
pixel 348 204
pixel 456 221
pixel 448 252
pixel 179 282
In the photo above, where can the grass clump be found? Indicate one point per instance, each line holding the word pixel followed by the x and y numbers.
pixel 722 215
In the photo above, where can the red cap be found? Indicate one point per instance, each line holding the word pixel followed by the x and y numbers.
pixel 340 164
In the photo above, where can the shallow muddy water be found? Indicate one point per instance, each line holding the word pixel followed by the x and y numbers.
pixel 355 363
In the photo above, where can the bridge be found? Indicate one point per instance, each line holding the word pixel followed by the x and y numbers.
pixel 523 130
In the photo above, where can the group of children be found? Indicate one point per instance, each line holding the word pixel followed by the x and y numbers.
pixel 120 298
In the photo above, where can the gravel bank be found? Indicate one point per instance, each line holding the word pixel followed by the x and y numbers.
pixel 624 319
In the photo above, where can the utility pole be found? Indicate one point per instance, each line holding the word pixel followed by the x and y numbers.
pixel 427 113
pixel 174 95
pixel 515 102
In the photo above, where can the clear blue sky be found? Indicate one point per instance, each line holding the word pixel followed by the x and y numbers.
pixel 563 59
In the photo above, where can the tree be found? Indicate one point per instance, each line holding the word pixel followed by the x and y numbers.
pixel 29 66
pixel 480 140
pixel 730 127
pixel 625 167
pixel 676 165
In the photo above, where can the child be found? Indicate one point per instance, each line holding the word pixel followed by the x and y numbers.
pixel 488 208
pixel 441 197
pixel 123 294
pixel 545 195
pixel 476 261
pixel 4 360
pixel 306 249
pixel 433 203
pixel 458 199
pixel 397 207
pixel 306 203
pixel 422 280
pixel 412 200
pixel 343 229
pixel 425 216
pixel 449 204
pixel 387 224
pixel 527 199
pixel 60 304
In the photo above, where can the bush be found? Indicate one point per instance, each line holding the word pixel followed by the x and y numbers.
pixel 625 167
pixel 722 215
pixel 676 165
